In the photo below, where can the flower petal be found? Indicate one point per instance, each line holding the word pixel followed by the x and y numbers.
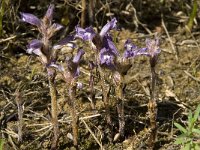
pixel 109 26
pixel 129 45
pixel 132 50
pixel 56 27
pixel 153 46
pixel 35 47
pixel 106 58
pixel 66 41
pixel 109 44
pixel 85 34
pixel 59 67
pixel 30 18
pixel 78 56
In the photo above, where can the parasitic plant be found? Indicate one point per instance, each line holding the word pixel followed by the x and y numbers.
pixel 97 42
pixel 108 57
pixel 70 75
pixel 151 50
pixel 47 54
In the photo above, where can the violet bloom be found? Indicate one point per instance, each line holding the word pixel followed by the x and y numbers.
pixel 86 34
pixel 47 29
pixel 153 48
pixel 31 19
pixel 73 65
pixel 109 26
pixel 34 47
pixel 109 44
pixel 132 50
pixel 45 24
pixel 72 70
pixel 107 58
pixel 102 42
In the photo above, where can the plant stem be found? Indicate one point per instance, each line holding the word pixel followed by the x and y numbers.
pixel 54 113
pixel 92 94
pixel 105 90
pixel 20 115
pixel 192 15
pixel 120 106
pixel 2 8
pixel 72 104
pixel 152 106
pixel 83 13
pixel 91 11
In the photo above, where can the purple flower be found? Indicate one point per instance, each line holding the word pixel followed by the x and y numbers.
pixel 30 18
pixel 107 58
pixel 78 56
pixel 86 34
pixel 47 29
pixel 56 27
pixel 44 25
pixel 72 70
pixel 152 47
pixel 73 65
pixel 34 47
pixel 109 26
pixel 109 44
pixel 132 50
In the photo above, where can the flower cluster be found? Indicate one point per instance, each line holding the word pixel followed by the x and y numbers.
pixel 42 47
pixel 108 52
pixel 107 56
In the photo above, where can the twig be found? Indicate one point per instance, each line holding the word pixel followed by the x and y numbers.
pixel 11 38
pixel 191 76
pixel 89 117
pixel 12 143
pixel 33 125
pixel 138 21
pixel 38 138
pixel 20 114
pixel 170 40
pixel 8 39
pixel 35 113
pixel 92 133
pixel 39 130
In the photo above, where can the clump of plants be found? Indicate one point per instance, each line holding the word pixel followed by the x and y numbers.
pixel 190 132
pixel 111 67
